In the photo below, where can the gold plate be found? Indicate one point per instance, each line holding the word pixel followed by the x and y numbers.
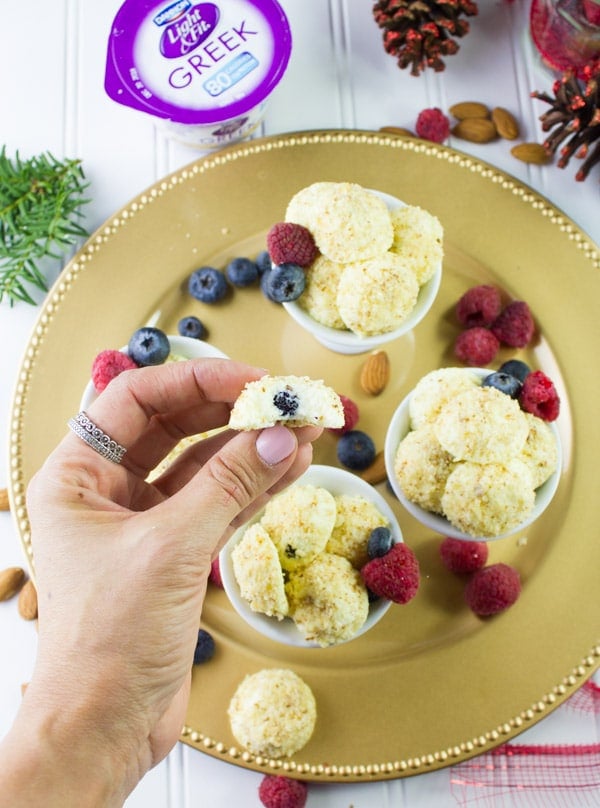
pixel 431 684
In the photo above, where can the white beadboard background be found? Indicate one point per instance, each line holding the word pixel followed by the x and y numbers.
pixel 52 57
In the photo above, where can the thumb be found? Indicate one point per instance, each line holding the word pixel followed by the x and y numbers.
pixel 246 467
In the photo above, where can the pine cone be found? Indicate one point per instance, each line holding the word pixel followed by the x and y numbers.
pixel 574 115
pixel 420 32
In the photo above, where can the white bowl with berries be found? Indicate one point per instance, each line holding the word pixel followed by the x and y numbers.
pixel 147 346
pixel 475 454
pixel 362 267
pixel 312 568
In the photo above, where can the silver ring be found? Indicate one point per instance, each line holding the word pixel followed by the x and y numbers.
pixel 98 440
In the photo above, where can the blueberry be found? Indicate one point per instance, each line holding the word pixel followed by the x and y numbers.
pixel 264 281
pixel 356 450
pixel 284 282
pixel 148 346
pixel 263 262
pixel 191 327
pixel 380 542
pixel 207 284
pixel 287 403
pixel 241 272
pixel 205 647
pixel 516 368
pixel 504 382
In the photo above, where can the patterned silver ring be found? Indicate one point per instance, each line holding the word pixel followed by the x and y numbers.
pixel 98 440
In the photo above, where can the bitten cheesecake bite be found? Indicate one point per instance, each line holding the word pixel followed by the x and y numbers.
pixel 291 400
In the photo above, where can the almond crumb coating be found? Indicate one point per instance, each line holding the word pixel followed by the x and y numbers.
pixel 375 296
pixel 328 600
pixel 418 238
pixel 540 451
pixel 258 573
pixel 483 425
pixel 273 713
pixel 488 500
pixel 299 522
pixel 348 222
pixel 319 298
pixel 356 518
pixel 422 468
pixel 435 389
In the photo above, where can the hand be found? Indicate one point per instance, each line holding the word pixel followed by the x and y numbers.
pixel 121 564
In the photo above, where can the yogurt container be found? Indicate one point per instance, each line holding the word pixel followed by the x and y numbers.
pixel 203 70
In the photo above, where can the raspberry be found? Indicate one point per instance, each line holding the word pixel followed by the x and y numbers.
pixel 290 243
pixel 479 306
pixel 591 11
pixel 476 346
pixel 351 415
pixel 514 325
pixel 432 124
pixel 463 556
pixel 394 576
pixel 107 365
pixel 215 574
pixel 539 397
pixel 276 791
pixel 493 589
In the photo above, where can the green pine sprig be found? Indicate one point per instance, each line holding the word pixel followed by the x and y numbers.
pixel 40 209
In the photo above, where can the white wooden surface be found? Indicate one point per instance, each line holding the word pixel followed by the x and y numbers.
pixel 52 55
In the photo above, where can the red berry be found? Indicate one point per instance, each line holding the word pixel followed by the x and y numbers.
pixel 591 11
pixel 476 346
pixel 351 416
pixel 539 397
pixel 514 326
pixel 290 243
pixel 107 366
pixel 463 556
pixel 432 124
pixel 493 589
pixel 479 306
pixel 215 573
pixel 394 576
pixel 276 791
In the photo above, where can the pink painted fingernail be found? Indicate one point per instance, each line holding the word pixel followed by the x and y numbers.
pixel 275 444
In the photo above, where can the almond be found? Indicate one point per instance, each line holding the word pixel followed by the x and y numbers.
pixel 11 580
pixel 376 472
pixel 4 506
pixel 397 130
pixel 375 373
pixel 506 123
pixel 531 153
pixel 475 130
pixel 28 603
pixel 469 109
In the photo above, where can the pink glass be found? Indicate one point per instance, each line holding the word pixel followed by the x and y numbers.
pixel 566 32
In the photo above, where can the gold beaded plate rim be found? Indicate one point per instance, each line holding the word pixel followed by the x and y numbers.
pixel 432 684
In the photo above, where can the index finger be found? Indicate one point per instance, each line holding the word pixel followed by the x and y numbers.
pixel 172 394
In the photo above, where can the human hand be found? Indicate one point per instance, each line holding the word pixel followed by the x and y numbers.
pixel 122 564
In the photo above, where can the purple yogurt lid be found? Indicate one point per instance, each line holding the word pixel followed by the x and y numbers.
pixel 196 63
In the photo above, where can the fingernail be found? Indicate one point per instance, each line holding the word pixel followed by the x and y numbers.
pixel 275 444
